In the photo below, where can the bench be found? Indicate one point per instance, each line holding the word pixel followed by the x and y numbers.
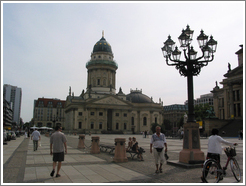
pixel 105 148
pixel 111 148
pixel 134 153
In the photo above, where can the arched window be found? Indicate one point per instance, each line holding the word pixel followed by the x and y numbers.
pixel 125 126
pixel 132 120
pixel 144 121
pixel 100 125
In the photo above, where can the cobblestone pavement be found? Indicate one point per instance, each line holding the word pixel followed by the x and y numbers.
pixel 27 166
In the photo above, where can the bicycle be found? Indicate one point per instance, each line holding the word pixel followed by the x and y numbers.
pixel 212 171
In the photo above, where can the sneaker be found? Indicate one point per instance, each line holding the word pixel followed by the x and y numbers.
pixel 52 173
pixel 221 177
pixel 203 180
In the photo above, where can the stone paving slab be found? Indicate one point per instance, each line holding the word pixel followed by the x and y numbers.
pixel 80 171
pixel 82 167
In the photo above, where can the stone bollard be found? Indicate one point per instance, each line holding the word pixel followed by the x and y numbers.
pixel 95 149
pixel 81 144
pixel 120 150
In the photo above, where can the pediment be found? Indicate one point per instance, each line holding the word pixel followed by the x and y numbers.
pixel 110 101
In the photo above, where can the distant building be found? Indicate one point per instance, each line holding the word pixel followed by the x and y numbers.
pixel 48 112
pixel 174 113
pixel 204 99
pixel 100 108
pixel 13 95
pixel 7 114
pixel 228 100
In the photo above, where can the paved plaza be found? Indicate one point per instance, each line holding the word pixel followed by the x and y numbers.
pixel 23 165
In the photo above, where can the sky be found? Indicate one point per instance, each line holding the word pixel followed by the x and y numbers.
pixel 45 46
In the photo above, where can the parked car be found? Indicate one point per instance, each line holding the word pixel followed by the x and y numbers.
pixel 4 135
pixel 8 136
pixel 11 135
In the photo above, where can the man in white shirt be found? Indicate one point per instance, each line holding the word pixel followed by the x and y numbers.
pixel 35 137
pixel 158 141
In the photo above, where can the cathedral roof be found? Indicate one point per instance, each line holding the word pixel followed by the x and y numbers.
pixel 102 46
pixel 136 96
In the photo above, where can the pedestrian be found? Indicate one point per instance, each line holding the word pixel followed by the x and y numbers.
pixel 182 135
pixel 145 133
pixel 58 142
pixel 214 146
pixel 35 137
pixel 137 149
pixel 129 147
pixel 158 142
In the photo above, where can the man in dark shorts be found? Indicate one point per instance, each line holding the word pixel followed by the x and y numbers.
pixel 57 143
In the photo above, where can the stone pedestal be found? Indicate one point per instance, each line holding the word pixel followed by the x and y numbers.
pixel 81 144
pixel 95 149
pixel 191 152
pixel 120 150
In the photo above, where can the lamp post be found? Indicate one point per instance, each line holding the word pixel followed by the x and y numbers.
pixel 190 67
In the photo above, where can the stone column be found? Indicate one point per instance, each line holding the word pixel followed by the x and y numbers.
pixel 120 150
pixel 232 114
pixel 95 149
pixel 191 152
pixel 81 144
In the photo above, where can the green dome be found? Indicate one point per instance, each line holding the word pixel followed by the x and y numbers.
pixel 102 46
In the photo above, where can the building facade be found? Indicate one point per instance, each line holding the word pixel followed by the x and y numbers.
pixel 100 108
pixel 48 112
pixel 7 115
pixel 228 100
pixel 13 95
pixel 204 99
pixel 174 113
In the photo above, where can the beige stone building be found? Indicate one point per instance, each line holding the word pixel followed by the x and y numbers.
pixel 228 100
pixel 48 112
pixel 100 108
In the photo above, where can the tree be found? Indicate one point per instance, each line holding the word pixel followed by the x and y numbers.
pixel 201 111
pixel 167 125
pixel 26 125
pixel 181 122
pixel 153 126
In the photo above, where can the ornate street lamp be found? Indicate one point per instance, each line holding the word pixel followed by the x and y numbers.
pixel 192 65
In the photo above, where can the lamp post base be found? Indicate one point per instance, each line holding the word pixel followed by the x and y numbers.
pixel 191 152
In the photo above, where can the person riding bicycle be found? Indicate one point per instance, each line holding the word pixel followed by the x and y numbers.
pixel 214 146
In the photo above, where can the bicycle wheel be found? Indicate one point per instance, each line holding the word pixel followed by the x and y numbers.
pixel 235 169
pixel 211 171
